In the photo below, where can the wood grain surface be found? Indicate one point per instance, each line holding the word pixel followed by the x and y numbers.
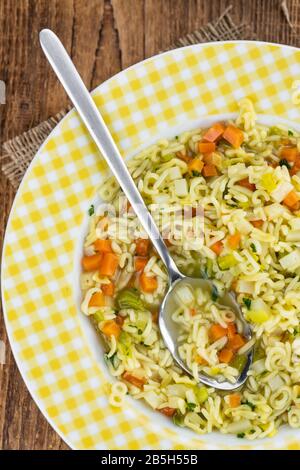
pixel 103 37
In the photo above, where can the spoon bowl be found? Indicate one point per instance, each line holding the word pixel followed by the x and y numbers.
pixel 170 333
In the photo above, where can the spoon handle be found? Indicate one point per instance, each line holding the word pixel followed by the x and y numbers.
pixel 83 102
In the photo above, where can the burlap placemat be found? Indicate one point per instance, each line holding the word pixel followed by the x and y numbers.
pixel 19 151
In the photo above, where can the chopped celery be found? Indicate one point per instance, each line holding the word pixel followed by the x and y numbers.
pixel 259 312
pixel 178 418
pixel 259 353
pixel 201 394
pixel 214 293
pixel 141 322
pixel 258 316
pixel 268 182
pixel 209 268
pixel 129 298
pixel 98 316
pixel 227 262
pixel 239 362
pixel 114 360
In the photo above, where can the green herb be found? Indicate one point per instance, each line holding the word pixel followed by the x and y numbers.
pixel 247 302
pixel 196 173
pixel 284 162
pixel 214 293
pixel 248 403
pixel 226 190
pixel 253 248
pixel 191 406
pixel 241 435
pixel 290 132
pixel 176 137
pixel 91 210
pixel 178 418
pixel 252 431
pixel 129 298
pixel 296 331
pixel 167 158
pixel 140 331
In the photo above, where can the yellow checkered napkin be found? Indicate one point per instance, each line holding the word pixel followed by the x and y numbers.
pixel 40 276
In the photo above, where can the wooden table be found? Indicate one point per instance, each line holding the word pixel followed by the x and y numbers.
pixel 103 36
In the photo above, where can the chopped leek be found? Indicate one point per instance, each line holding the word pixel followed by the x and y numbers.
pixel 227 262
pixel 239 362
pixel 129 298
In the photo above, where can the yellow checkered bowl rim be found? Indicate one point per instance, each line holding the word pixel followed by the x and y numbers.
pixel 64 377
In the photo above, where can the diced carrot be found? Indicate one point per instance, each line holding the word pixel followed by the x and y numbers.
pixel 108 289
pixel 140 262
pixel 209 170
pixel 291 199
pixel 120 320
pixel 289 153
pixel 91 263
pixel 295 169
pixel 111 328
pixel 154 316
pixel 136 381
pixel 142 246
pixel 236 342
pixel 97 300
pixel 212 159
pixel 193 312
pixel 196 165
pixel 206 147
pixel 214 132
pixel 148 284
pixel 109 264
pixel 257 223
pixel 234 400
pixel 216 332
pixel 183 156
pixel 225 355
pixel 167 411
pixel 234 240
pixel 217 247
pixel 234 284
pixel 200 360
pixel 231 330
pixel 234 136
pixel 103 246
pixel 246 184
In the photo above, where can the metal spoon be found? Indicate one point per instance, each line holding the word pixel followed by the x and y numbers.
pixel 78 93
